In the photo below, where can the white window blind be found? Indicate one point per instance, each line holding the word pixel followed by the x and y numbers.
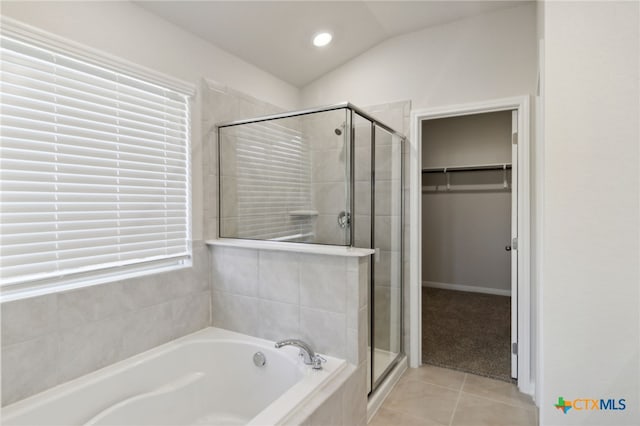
pixel 94 167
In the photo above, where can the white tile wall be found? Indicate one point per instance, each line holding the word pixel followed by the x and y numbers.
pixel 279 277
pixel 90 304
pixel 343 403
pixel 29 367
pixel 277 320
pixel 235 312
pixel 317 298
pixel 236 271
pixel 328 173
pixel 324 330
pixel 29 319
pixel 323 283
pixel 88 347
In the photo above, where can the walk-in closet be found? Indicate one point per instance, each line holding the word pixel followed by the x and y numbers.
pixel 467 217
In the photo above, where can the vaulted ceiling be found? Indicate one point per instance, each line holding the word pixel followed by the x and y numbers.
pixel 276 35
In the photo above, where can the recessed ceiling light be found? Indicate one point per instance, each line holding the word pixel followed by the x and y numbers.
pixel 322 39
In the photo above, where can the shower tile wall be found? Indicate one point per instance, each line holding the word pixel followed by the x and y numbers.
pixel 362 175
pixel 328 165
pixel 386 240
pixel 51 339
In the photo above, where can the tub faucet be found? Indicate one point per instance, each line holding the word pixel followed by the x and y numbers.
pixel 308 355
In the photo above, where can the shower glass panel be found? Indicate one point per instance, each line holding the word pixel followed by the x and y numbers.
pixel 387 262
pixel 287 179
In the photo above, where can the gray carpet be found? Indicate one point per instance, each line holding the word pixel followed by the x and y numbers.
pixel 469 332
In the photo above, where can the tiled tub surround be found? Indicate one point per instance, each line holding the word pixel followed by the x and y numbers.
pixel 319 298
pixel 51 339
pixel 279 294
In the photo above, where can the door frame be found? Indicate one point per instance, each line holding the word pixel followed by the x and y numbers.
pixel 522 105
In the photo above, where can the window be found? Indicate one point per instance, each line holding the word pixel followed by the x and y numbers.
pixel 94 167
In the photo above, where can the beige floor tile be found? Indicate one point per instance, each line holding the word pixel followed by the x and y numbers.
pixel 496 390
pixel 435 375
pixel 423 400
pixel 387 417
pixel 476 411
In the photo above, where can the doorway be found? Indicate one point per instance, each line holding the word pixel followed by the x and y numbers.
pixel 468 225
pixel 518 182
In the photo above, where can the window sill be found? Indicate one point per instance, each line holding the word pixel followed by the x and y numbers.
pixel 27 290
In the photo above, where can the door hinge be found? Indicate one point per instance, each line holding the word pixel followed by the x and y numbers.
pixel 514 348
pixel 514 244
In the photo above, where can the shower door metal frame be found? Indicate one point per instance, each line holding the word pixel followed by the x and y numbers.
pixel 332 107
pixel 375 383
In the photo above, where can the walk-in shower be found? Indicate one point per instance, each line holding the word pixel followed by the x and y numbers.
pixel 330 175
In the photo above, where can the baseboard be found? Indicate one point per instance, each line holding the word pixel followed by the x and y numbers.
pixel 469 288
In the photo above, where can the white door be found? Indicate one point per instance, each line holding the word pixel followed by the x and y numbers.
pixel 514 244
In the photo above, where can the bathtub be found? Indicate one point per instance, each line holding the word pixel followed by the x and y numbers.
pixel 205 378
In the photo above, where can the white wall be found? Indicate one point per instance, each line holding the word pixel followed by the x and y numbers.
pixel 483 57
pixel 464 232
pixel 123 29
pixel 127 31
pixel 590 299
pixel 467 140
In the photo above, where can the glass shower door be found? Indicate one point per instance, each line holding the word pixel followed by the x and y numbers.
pixel 386 294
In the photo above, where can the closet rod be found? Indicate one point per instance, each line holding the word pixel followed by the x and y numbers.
pixel 503 166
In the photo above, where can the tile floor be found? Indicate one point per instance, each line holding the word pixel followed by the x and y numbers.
pixel 436 396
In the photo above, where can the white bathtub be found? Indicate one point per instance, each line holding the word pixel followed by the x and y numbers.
pixel 206 378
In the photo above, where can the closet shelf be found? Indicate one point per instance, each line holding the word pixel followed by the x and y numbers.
pixel 473 168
